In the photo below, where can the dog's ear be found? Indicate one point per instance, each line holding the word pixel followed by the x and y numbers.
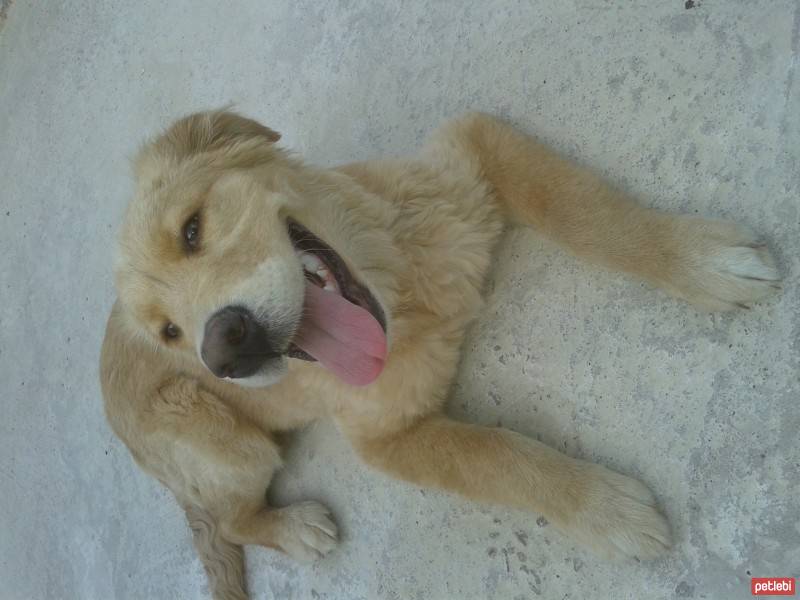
pixel 209 131
pixel 246 141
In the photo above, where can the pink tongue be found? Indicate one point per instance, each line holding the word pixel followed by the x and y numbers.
pixel 346 339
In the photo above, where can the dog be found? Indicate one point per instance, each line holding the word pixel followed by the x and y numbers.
pixel 257 294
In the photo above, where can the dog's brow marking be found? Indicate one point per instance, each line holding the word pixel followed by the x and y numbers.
pixel 153 278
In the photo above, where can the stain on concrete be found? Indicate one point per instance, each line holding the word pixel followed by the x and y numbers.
pixel 684 590
pixel 5 6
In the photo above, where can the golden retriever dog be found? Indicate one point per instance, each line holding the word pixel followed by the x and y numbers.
pixel 257 293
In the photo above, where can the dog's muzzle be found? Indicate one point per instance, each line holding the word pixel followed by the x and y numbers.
pixel 235 345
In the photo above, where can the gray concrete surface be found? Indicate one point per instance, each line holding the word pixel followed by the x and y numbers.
pixel 695 110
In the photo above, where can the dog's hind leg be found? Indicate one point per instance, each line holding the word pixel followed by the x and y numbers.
pixel 714 264
pixel 222 560
pixel 613 514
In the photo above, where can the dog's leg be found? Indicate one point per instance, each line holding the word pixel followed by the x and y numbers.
pixel 303 530
pixel 613 514
pixel 237 461
pixel 218 464
pixel 714 264
pixel 222 560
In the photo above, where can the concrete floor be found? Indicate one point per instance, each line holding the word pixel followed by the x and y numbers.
pixel 691 109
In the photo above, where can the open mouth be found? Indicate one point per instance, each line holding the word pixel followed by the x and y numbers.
pixel 343 326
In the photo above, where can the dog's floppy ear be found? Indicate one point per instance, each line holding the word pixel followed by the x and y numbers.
pixel 209 131
pixel 246 142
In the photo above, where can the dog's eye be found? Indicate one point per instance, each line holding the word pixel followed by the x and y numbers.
pixel 171 331
pixel 191 233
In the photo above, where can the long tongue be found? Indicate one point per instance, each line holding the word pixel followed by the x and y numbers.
pixel 345 338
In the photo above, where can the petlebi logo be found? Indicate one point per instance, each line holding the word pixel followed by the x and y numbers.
pixel 772 586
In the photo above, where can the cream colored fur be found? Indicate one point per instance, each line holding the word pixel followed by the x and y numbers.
pixel 420 233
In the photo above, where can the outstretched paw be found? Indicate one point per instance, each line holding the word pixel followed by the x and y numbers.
pixel 618 517
pixel 310 533
pixel 721 266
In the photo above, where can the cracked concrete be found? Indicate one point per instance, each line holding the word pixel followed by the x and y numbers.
pixel 692 106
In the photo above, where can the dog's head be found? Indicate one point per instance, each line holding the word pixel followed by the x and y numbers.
pixel 218 259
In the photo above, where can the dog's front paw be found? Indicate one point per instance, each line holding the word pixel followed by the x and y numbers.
pixel 618 517
pixel 309 532
pixel 719 265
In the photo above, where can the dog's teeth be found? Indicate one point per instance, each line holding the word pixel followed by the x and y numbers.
pixel 329 286
pixel 310 262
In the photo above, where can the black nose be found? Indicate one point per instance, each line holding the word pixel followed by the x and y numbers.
pixel 235 344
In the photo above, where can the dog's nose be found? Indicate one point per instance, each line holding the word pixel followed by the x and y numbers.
pixel 235 344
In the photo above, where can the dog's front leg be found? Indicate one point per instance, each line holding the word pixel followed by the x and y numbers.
pixel 614 515
pixel 714 264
